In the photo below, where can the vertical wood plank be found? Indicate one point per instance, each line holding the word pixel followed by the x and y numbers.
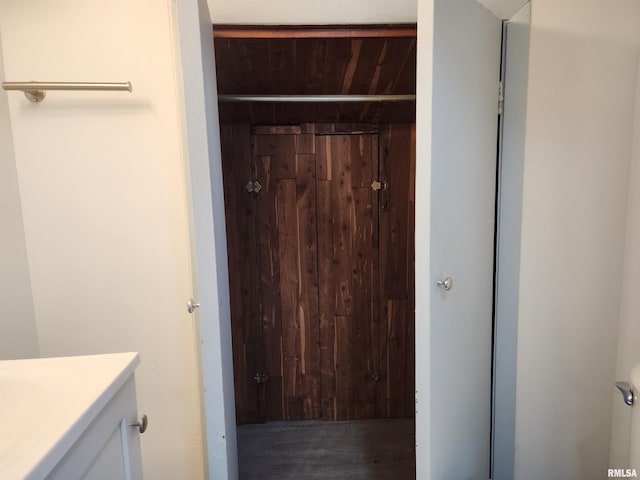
pixel 343 220
pixel 343 361
pixel 364 166
pixel 397 227
pixel 364 160
pixel 323 157
pixel 274 400
pixel 307 254
pixel 383 318
pixel 396 170
pixel 289 284
pixel 326 302
pixel 286 153
pixel 269 280
pixel 409 382
pixel 243 274
pixel 365 304
pixel 397 360
pixel 305 143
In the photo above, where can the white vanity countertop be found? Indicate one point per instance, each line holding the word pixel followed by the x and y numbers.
pixel 47 403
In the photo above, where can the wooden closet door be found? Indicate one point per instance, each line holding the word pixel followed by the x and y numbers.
pixel 321 272
pixel 351 359
pixel 244 279
pixel 288 258
pixel 397 272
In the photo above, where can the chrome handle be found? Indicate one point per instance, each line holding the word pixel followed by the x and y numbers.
pixel 191 305
pixel 627 392
pixel 142 424
pixel 446 284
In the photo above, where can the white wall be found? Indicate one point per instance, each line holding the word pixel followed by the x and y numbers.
pixel 582 78
pixel 312 12
pixel 18 337
pixel 629 338
pixel 104 204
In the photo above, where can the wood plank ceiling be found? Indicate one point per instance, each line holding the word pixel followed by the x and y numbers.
pixel 331 61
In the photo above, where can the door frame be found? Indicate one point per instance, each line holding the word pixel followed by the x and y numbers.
pixel 200 131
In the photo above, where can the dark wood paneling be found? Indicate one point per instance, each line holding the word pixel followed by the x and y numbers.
pixel 397 230
pixel 398 325
pixel 289 285
pixel 325 285
pixel 307 268
pixel 396 158
pixel 355 112
pixel 347 236
pixel 339 153
pixel 344 368
pixel 243 275
pixel 330 279
pixel 365 301
pixel 268 263
pixel 315 66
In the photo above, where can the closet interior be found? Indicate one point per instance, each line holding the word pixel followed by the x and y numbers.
pixel 318 148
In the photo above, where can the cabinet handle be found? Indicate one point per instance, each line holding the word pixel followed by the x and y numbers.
pixel 142 424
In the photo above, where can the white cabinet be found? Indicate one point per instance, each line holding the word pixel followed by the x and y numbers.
pixel 109 449
pixel 69 418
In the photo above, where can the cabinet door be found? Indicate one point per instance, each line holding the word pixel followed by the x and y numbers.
pixel 109 449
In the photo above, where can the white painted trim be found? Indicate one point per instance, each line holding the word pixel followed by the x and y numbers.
pixel 422 236
pixel 203 163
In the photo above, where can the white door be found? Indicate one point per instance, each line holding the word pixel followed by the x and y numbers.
pixel 458 162
pixel 211 280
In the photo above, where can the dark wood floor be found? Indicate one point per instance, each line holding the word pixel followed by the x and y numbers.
pixel 317 450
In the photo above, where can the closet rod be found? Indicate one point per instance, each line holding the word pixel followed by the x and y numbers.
pixel 316 98
pixel 35 91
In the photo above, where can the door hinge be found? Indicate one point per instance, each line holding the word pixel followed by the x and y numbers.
pixel 377 185
pixel 253 186
pixel 500 97
pixel 261 377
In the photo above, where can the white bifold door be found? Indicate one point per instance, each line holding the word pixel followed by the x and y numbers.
pixel 458 163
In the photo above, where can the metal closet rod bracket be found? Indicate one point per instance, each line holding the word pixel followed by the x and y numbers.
pixel 35 91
